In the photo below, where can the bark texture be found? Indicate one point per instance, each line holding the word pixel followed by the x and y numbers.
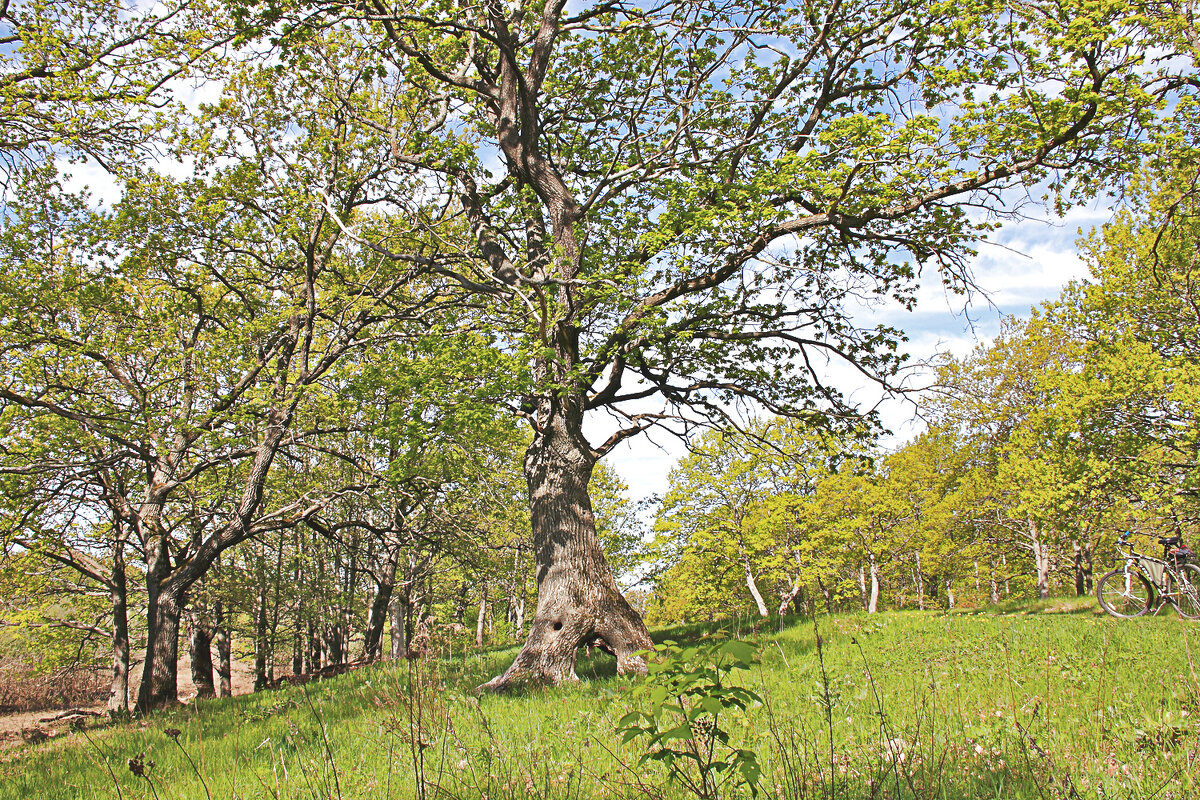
pixel 578 599
pixel 202 663
pixel 118 693
pixel 159 687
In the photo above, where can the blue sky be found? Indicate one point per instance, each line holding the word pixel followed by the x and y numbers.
pixel 1027 263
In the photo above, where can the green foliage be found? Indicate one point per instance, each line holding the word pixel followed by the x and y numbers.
pixel 686 727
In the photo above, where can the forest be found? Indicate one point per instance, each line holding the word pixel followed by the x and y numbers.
pixel 318 319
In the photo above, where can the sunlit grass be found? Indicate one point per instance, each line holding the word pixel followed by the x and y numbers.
pixel 1030 702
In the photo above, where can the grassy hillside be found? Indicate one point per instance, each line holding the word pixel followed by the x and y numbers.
pixel 1040 703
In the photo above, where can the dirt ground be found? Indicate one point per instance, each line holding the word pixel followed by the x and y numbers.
pixel 27 727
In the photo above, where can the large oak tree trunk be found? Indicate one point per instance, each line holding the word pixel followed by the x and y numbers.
pixel 578 599
pixel 159 686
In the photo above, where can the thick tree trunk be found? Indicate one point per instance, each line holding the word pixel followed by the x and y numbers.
pixel 578 599
pixel 373 638
pixel 118 693
pixel 160 686
pixel 201 653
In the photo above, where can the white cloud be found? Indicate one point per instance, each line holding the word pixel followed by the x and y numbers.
pixel 1029 262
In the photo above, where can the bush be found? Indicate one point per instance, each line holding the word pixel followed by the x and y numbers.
pixel 24 688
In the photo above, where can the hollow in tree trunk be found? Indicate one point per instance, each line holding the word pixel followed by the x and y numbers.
pixel 578 599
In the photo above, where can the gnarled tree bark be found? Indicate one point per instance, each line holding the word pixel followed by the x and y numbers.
pixel 578 599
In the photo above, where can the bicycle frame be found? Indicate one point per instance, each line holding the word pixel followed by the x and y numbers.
pixel 1156 573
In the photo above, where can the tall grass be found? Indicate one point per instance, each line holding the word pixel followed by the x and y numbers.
pixel 899 705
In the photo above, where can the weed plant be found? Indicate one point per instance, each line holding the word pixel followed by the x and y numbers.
pixel 899 705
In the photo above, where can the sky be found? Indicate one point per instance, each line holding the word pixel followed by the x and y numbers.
pixel 1025 264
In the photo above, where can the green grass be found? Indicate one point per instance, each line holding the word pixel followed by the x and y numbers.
pixel 1017 702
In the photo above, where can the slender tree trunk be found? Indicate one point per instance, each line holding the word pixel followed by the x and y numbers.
pixel 224 651
pixel 460 605
pixel 753 587
pixel 397 613
pixel 118 693
pixel 260 640
pixel 873 600
pixel 862 585
pixel 481 620
pixel 578 599
pixel 298 628
pixel 950 593
pixel 312 656
pixel 523 572
pixel 1088 569
pixel 1081 583
pixel 1041 559
pixel 920 576
pixel 995 583
pixel 828 595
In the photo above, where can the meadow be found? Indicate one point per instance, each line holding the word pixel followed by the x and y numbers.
pixel 1040 701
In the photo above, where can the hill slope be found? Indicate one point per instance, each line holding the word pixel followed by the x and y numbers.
pixel 1032 705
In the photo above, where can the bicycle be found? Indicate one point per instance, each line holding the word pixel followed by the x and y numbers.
pixel 1130 590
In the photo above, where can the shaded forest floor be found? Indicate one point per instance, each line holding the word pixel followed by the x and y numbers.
pixel 33 727
pixel 1020 701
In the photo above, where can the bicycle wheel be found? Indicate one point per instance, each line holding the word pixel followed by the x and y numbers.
pixel 1124 593
pixel 1186 591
